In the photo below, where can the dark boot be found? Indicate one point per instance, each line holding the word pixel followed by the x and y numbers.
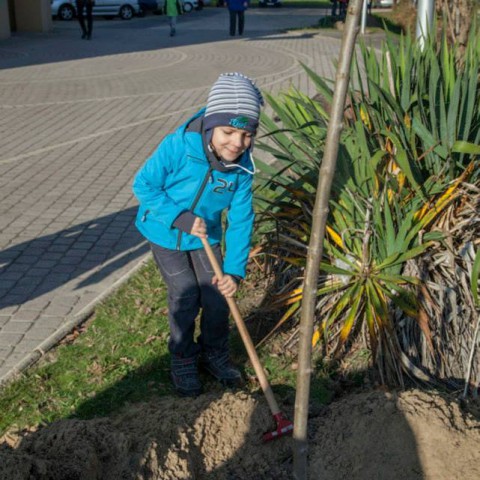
pixel 185 376
pixel 218 364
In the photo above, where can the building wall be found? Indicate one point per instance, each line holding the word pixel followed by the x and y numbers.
pixel 33 15
pixel 4 19
pixel 24 16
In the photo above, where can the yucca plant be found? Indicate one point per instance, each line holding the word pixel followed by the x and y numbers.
pixel 408 149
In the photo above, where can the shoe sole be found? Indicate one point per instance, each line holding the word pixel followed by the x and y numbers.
pixel 189 393
pixel 230 383
pixel 186 393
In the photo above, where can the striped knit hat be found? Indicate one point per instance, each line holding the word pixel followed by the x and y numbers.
pixel 233 101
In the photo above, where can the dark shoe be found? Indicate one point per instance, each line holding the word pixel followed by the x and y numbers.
pixel 218 364
pixel 89 36
pixel 172 32
pixel 84 36
pixel 185 378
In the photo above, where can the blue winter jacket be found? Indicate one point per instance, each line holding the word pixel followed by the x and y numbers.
pixel 237 5
pixel 178 178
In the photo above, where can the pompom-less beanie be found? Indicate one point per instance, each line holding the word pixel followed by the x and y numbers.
pixel 233 101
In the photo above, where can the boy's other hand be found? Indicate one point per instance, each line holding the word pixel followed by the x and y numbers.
pixel 227 285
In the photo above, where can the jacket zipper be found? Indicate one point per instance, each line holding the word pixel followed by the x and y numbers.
pixel 196 200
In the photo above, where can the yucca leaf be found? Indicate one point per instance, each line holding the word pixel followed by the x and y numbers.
pixel 401 257
pixel 397 279
pixel 401 158
pixel 453 115
pixel 329 268
pixel 377 302
pixel 443 114
pixel 461 146
pixel 402 298
pixel 389 228
pixel 322 85
pixel 352 315
pixel 475 277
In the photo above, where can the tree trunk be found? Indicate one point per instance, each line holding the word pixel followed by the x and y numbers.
pixel 315 249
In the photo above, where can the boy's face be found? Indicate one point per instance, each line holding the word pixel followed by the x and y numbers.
pixel 229 143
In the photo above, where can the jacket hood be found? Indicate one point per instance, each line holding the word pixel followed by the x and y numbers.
pixel 194 135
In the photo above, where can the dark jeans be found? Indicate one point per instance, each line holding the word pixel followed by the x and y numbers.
pixel 233 22
pixel 188 276
pixel 81 4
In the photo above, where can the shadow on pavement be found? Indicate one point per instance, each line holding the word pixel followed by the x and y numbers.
pixel 145 34
pixel 38 266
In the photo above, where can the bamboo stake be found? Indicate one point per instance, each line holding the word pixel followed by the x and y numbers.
pixel 315 249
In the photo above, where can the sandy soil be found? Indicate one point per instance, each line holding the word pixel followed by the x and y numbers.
pixel 368 436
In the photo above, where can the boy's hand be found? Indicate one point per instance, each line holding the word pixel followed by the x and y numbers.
pixel 199 228
pixel 227 285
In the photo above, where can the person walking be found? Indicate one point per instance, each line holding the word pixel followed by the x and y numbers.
pixel 173 8
pixel 196 173
pixel 237 9
pixel 85 10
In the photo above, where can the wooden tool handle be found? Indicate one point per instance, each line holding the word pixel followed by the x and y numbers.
pixel 242 328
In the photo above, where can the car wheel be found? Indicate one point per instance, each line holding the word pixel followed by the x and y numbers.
pixel 126 12
pixel 66 12
pixel 187 7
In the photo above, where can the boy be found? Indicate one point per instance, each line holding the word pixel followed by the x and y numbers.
pixel 196 173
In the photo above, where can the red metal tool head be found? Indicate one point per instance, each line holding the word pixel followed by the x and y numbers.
pixel 284 427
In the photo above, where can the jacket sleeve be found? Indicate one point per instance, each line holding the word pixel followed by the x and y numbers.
pixel 149 185
pixel 238 235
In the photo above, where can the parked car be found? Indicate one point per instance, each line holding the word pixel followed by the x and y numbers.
pixel 153 6
pixel 382 3
pixel 125 9
pixel 188 5
pixel 269 3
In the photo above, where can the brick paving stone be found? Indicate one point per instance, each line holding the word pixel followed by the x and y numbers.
pixel 4 319
pixel 5 352
pixel 16 327
pixel 9 339
pixel 41 333
pixel 13 276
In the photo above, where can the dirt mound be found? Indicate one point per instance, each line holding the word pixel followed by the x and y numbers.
pixel 364 436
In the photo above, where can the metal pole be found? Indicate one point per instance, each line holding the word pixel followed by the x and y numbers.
pixel 424 20
pixel 363 23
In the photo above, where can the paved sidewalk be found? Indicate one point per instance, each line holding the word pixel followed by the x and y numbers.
pixel 78 118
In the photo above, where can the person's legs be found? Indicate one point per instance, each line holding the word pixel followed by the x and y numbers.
pixel 214 328
pixel 81 20
pixel 334 7
pixel 233 21
pixel 214 324
pixel 89 12
pixel 173 24
pixel 183 307
pixel 241 22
